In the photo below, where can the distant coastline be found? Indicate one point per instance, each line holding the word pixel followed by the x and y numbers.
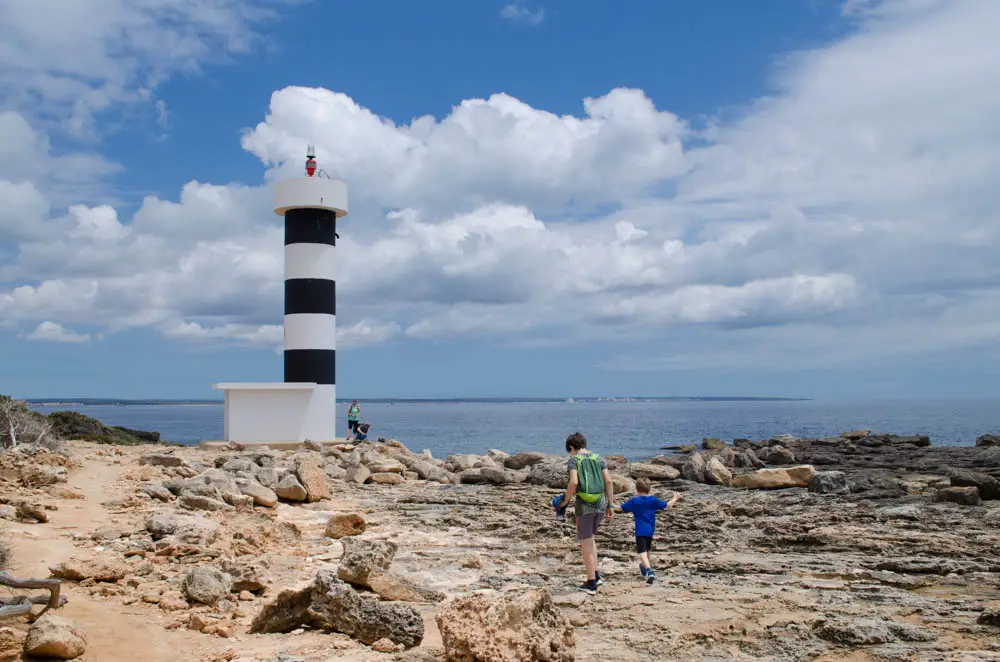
pixel 118 402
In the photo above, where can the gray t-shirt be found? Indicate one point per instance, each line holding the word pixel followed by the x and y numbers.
pixel 582 507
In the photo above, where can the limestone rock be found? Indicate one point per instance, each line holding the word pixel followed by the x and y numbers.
pixel 386 479
pixel 358 474
pixel 335 605
pixel 713 444
pixel 362 558
pixel 54 637
pixel 43 476
pixel 767 479
pixel 212 479
pixel 313 479
pixel 499 476
pixel 429 471
pixel 653 471
pixel 854 435
pixel 988 440
pixel 829 482
pixel 99 569
pixel 387 466
pixel 199 502
pixel 524 459
pixel 550 473
pixel 990 615
pixel 185 528
pixel 237 464
pixel 206 584
pixel 716 473
pixel 162 460
pixel 290 489
pixel 622 483
pixel 472 477
pixel 247 575
pixel 459 463
pixel 345 524
pixel 694 468
pixel 269 477
pixel 777 455
pixel 987 485
pixel 393 587
pixel 506 628
pixel 965 496
pixel 157 492
pixel 262 496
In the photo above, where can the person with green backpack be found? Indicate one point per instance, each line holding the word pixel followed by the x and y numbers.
pixel 590 483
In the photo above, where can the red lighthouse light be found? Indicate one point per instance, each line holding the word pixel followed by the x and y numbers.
pixel 311 161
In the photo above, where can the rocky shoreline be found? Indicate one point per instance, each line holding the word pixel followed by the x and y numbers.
pixel 854 547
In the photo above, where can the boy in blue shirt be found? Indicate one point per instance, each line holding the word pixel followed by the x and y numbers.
pixel 644 507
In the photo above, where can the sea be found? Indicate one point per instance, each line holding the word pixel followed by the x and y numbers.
pixel 633 428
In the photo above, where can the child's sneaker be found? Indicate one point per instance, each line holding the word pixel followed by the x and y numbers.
pixel 599 580
pixel 650 576
pixel 643 570
pixel 589 587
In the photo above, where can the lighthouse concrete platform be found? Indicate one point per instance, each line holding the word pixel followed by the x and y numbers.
pixel 277 414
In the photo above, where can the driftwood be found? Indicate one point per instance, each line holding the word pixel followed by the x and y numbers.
pixel 21 606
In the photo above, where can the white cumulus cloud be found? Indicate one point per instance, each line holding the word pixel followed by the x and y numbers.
pixel 52 332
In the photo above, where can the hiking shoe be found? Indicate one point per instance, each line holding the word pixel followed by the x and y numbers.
pixel 599 580
pixel 589 587
pixel 650 576
pixel 643 571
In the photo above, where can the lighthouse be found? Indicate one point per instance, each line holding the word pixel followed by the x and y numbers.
pixel 303 406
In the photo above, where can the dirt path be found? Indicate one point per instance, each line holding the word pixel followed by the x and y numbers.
pixel 112 633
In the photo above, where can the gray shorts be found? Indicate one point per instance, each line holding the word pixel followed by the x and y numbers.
pixel 587 525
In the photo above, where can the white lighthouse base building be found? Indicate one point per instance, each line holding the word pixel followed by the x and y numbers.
pixel 303 407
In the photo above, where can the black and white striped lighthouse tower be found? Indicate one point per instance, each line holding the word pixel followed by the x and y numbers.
pixel 311 206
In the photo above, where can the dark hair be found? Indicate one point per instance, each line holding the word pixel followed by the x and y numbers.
pixel 575 441
pixel 642 486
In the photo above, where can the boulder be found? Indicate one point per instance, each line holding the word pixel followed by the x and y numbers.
pixel 185 528
pixel 550 473
pixel 829 482
pixel 43 476
pixel 430 471
pixel 622 483
pixel 290 489
pixel 392 587
pixel 269 477
pixel 211 480
pixel 345 524
pixel 694 468
pixel 362 558
pixel 463 462
pixel 199 502
pixel 527 627
pixel 854 435
pixel 99 569
pixel 713 444
pixel 55 638
pixel 988 440
pixel 500 476
pixel 157 492
pixel 359 474
pixel 716 473
pixel 777 455
pixel 769 479
pixel 653 471
pixel 262 496
pixel 387 465
pixel 472 477
pixel 332 603
pixel 386 479
pixel 524 459
pixel 206 585
pixel 239 464
pixel 988 486
pixel 990 615
pixel 162 460
pixel 313 479
pixel 965 496
pixel 246 574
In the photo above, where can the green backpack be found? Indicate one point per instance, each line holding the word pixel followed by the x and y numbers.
pixel 591 479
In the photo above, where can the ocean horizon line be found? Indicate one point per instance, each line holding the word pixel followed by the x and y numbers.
pixel 85 402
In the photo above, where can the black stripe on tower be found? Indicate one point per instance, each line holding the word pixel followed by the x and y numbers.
pixel 310 226
pixel 310 295
pixel 318 366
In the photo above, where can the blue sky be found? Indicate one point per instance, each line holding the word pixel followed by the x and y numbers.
pixel 768 198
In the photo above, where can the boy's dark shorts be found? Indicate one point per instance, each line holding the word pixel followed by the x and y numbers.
pixel 587 525
pixel 643 544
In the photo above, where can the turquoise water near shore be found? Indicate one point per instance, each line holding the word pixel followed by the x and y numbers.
pixel 635 429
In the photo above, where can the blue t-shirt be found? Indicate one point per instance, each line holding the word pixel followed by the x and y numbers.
pixel 644 508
